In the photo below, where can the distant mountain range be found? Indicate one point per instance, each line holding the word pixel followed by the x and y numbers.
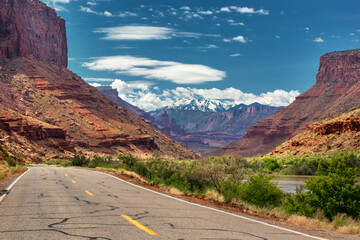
pixel 200 125
pixel 204 105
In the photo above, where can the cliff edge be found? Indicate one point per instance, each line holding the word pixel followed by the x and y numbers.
pixel 28 28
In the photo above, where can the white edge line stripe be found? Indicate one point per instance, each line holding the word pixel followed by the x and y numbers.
pixel 217 210
pixel 12 185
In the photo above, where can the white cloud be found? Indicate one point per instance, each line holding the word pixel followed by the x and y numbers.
pixel 108 14
pixel 95 84
pixel 179 73
pixel 152 98
pixel 127 14
pixel 146 33
pixel 247 10
pixel 55 4
pixel 278 37
pixel 205 12
pixel 226 40
pixel 136 33
pixel 91 3
pixel 233 23
pixel 89 79
pixel 186 8
pixel 211 46
pixel 236 55
pixel 89 10
pixel 225 9
pixel 239 39
pixel 318 40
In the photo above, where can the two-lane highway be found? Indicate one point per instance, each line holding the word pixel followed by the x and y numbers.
pixel 68 203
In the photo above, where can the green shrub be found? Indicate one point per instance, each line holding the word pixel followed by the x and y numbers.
pixel 79 161
pixel 3 150
pixel 128 160
pixel 273 165
pixel 260 191
pixel 141 168
pixel 230 191
pixel 98 161
pixel 11 161
pixel 334 194
pixel 300 204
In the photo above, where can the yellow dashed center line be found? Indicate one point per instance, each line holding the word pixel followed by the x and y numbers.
pixel 73 181
pixel 89 193
pixel 139 225
pixel 65 175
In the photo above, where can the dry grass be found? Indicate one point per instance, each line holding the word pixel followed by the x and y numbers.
pixel 6 171
pixel 175 191
pixel 212 194
pixel 341 224
pixel 128 174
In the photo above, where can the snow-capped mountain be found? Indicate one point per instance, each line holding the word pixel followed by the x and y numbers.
pixel 204 105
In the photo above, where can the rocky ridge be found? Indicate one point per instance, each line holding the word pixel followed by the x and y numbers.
pixel 337 90
pixel 339 133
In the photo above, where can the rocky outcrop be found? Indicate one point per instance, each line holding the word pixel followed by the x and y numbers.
pixel 12 123
pixel 28 28
pixel 336 134
pixel 346 125
pixel 337 90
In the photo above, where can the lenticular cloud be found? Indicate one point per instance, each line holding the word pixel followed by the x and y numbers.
pixel 179 73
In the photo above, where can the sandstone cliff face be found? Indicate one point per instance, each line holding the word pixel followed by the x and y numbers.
pixel 341 133
pixel 337 90
pixel 28 28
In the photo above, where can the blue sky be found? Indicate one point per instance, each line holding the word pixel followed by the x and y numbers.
pixel 159 53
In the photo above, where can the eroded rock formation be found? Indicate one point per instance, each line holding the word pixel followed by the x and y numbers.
pixel 28 28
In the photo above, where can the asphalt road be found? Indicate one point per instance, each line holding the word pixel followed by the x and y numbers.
pixel 68 203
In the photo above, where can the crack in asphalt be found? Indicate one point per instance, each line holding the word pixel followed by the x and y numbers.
pixel 87 202
pixel 58 231
pixel 172 226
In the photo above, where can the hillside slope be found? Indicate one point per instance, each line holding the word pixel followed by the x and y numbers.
pixel 43 95
pixel 340 133
pixel 337 90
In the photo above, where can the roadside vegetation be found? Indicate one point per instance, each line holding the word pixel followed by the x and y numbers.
pixel 330 199
pixel 9 165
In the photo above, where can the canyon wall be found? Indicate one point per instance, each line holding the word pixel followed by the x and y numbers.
pixel 337 90
pixel 28 28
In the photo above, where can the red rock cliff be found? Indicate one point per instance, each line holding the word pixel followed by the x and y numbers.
pixel 28 28
pixel 337 90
